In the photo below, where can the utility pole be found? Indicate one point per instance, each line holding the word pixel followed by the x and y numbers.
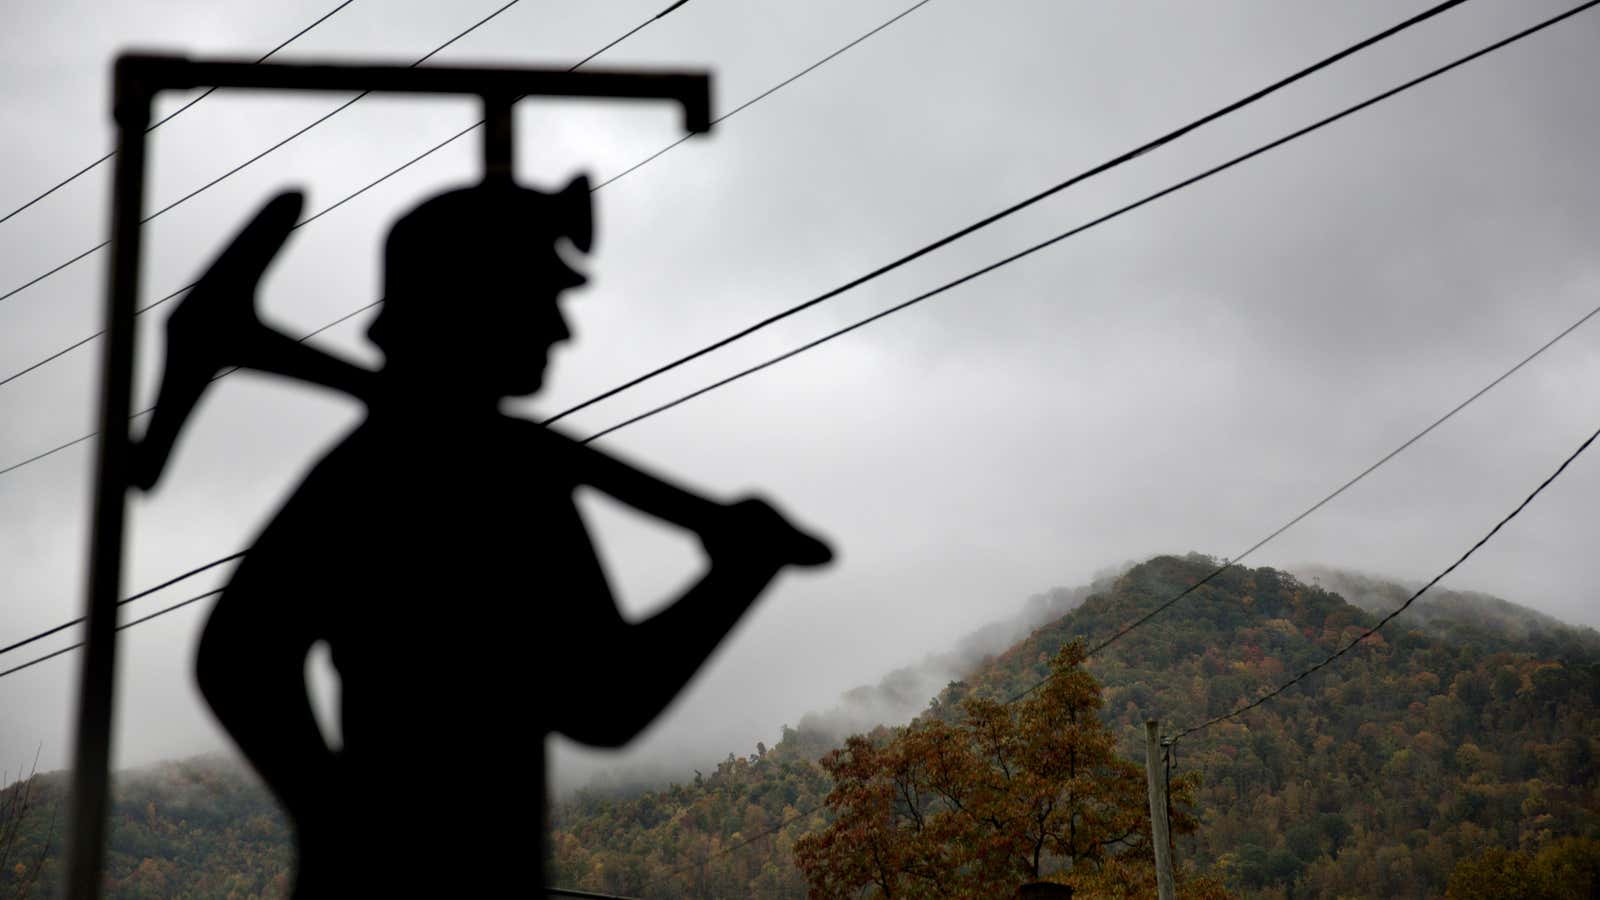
pixel 1158 810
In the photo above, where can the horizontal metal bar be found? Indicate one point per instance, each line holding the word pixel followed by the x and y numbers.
pixel 141 76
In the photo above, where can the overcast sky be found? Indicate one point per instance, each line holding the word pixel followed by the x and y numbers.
pixel 1187 377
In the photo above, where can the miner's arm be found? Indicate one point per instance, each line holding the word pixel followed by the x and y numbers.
pixel 747 543
pixel 713 521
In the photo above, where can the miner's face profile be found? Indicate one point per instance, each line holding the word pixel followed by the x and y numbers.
pixel 493 327
pixel 474 285
pixel 528 323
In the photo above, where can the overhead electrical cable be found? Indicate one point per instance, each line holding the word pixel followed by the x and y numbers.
pixel 307 336
pixel 125 625
pixel 1281 529
pixel 1435 424
pixel 126 600
pixel 585 895
pixel 306 221
pixel 882 270
pixel 770 91
pixel 172 115
pixel 252 160
pixel 149 409
pixel 1054 189
pixel 1171 742
pixel 656 410
pixel 783 823
pixel 1398 610
pixel 1234 561
pixel 468 130
pixel 1035 248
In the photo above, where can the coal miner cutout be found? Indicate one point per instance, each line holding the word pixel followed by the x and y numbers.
pixel 438 551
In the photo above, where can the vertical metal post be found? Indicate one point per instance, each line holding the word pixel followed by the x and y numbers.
pixel 1158 811
pixel 92 760
pixel 499 150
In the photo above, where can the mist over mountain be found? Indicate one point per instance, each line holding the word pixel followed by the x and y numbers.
pixel 903 694
pixel 895 699
pixel 1459 615
pixel 198 827
pixel 1433 751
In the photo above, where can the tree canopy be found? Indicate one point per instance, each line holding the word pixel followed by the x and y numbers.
pixel 985 800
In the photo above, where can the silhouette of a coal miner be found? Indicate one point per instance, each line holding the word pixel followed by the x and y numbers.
pixel 438 551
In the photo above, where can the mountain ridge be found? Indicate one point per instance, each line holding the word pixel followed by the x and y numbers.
pixel 1419 752
pixel 1445 737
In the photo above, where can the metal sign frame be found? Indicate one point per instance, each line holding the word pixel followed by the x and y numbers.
pixel 137 80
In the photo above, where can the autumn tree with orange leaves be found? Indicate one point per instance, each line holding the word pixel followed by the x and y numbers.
pixel 1003 795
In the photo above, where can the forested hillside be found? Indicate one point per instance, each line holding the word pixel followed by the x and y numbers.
pixel 1462 617
pixel 202 827
pixel 1458 742
pixel 1421 750
pixel 1376 776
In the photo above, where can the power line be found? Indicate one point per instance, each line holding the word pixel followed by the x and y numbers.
pixel 478 124
pixel 1142 620
pixel 303 222
pixel 1008 260
pixel 982 223
pixel 303 338
pixel 1014 208
pixel 1402 608
pixel 252 160
pixel 788 820
pixel 70 647
pixel 573 892
pixel 306 221
pixel 768 92
pixel 629 33
pixel 144 593
pixel 149 409
pixel 172 115
pixel 783 823
pixel 1170 743
pixel 1359 476
pixel 1118 212
pixel 414 160
pixel 1035 248
pixel 1281 529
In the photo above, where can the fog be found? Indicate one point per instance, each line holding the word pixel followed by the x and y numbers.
pixel 1185 378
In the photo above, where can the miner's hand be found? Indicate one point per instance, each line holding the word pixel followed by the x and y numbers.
pixel 752 531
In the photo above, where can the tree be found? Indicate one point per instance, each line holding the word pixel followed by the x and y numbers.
pixel 1567 869
pixel 1000 795
pixel 18 875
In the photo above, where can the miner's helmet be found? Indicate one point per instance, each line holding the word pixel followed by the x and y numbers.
pixel 477 252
